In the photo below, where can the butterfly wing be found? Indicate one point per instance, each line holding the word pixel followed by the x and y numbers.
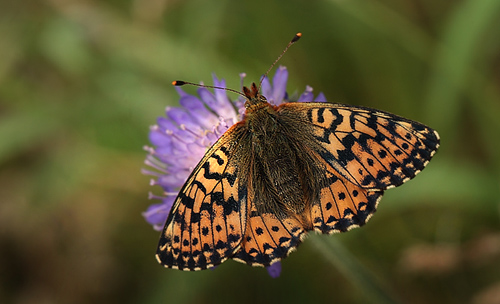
pixel 364 151
pixel 209 216
pixel 342 205
pixel 370 148
pixel 268 239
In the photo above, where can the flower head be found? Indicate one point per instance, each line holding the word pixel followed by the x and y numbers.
pixel 183 135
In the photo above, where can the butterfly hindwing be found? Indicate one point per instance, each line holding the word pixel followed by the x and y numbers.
pixel 343 205
pixel 208 218
pixel 269 239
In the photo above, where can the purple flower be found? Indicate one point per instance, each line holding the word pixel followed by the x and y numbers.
pixel 274 270
pixel 181 138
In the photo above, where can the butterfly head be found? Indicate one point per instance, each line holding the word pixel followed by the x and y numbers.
pixel 253 96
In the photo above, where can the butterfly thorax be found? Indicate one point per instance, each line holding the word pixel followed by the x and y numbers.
pixel 276 175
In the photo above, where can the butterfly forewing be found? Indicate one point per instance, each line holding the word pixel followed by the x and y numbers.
pixel 208 218
pixel 370 148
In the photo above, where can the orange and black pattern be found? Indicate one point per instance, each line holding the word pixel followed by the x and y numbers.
pixel 286 170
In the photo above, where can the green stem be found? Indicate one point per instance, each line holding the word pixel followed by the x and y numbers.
pixel 343 260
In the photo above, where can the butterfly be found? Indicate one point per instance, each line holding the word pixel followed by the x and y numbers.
pixel 285 170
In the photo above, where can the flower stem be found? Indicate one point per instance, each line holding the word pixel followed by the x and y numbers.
pixel 337 255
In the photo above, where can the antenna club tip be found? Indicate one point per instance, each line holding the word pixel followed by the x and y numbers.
pixel 297 37
pixel 178 83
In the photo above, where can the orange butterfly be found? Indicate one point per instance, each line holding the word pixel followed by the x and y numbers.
pixel 285 170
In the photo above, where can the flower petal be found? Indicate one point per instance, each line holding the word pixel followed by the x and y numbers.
pixel 157 214
pixel 320 98
pixel 279 85
pixel 198 111
pixel 274 270
pixel 267 89
pixel 307 95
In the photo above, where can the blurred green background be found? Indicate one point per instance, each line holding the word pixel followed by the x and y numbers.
pixel 82 81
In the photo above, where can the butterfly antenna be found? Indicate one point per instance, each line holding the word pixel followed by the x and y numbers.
pixel 181 83
pixel 294 39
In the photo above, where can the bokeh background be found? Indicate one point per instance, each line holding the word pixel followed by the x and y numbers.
pixel 82 81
